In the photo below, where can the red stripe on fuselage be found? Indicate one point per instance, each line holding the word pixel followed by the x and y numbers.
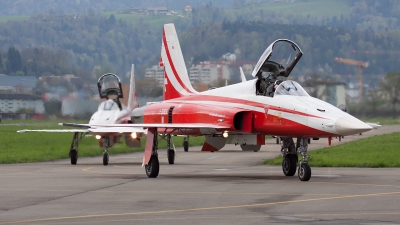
pixel 172 64
pixel 238 101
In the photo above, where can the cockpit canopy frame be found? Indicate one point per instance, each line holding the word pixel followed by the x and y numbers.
pixel 115 89
pixel 287 54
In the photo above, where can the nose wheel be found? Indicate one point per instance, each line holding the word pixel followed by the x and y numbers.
pixel 304 172
pixel 106 158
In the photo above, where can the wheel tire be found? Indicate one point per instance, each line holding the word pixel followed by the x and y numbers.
pixel 105 159
pixel 171 156
pixel 277 141
pixel 186 146
pixel 73 154
pixel 304 172
pixel 153 168
pixel 289 164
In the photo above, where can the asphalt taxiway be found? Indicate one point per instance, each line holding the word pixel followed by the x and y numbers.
pixel 226 187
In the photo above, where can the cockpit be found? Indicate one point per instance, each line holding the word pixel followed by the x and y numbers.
pixel 109 105
pixel 109 86
pixel 290 87
pixel 277 60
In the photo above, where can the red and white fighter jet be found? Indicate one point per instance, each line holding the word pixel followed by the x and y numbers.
pixel 242 113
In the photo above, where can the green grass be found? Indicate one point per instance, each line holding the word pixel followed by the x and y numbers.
pixel 377 151
pixel 39 147
pixel 382 120
pixel 154 21
pixel 314 8
pixel 12 18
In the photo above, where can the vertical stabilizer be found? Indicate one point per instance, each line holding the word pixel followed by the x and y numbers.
pixel 132 100
pixel 176 78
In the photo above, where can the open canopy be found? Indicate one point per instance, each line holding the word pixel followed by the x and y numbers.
pixel 109 86
pixel 278 59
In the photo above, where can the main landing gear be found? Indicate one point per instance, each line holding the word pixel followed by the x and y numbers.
pixel 153 166
pixel 170 151
pixel 73 150
pixel 290 154
pixel 186 143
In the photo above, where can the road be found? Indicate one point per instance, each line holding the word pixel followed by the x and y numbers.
pixel 226 187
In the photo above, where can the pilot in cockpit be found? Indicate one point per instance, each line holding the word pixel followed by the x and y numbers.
pixel 273 87
pixel 109 87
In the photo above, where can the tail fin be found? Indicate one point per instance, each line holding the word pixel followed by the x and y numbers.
pixel 242 76
pixel 132 100
pixel 176 78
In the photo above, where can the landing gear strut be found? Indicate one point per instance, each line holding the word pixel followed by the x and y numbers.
pixel 73 150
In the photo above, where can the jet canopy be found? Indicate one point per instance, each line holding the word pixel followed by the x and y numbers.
pixel 278 59
pixel 290 87
pixel 109 86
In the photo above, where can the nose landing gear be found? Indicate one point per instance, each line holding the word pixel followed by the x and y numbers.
pixel 290 154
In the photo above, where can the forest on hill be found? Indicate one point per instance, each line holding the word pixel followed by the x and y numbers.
pixel 70 43
pixel 32 7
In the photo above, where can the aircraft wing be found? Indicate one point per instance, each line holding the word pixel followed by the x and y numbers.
pixel 57 131
pixel 117 130
pixel 158 125
pixel 127 128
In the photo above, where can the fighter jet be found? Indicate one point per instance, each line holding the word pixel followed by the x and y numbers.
pixel 242 113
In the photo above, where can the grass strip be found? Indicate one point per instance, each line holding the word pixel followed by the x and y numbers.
pixel 374 152
pixel 40 147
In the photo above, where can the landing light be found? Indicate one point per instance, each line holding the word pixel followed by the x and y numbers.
pixel 98 137
pixel 225 134
pixel 134 135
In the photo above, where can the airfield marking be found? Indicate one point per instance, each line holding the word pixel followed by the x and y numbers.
pixel 239 217
pixel 164 192
pixel 166 218
pixel 199 209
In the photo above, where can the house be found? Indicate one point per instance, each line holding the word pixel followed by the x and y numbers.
pixel 157 11
pixel 188 8
pixel 17 84
pixel 17 103
pixel 157 73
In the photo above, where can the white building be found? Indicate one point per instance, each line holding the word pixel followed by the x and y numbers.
pixel 206 72
pixel 200 73
pixel 11 103
pixel 157 73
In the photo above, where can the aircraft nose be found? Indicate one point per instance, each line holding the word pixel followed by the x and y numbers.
pixel 349 126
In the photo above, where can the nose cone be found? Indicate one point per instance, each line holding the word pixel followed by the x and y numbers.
pixel 349 126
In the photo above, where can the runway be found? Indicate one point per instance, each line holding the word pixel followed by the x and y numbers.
pixel 226 187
